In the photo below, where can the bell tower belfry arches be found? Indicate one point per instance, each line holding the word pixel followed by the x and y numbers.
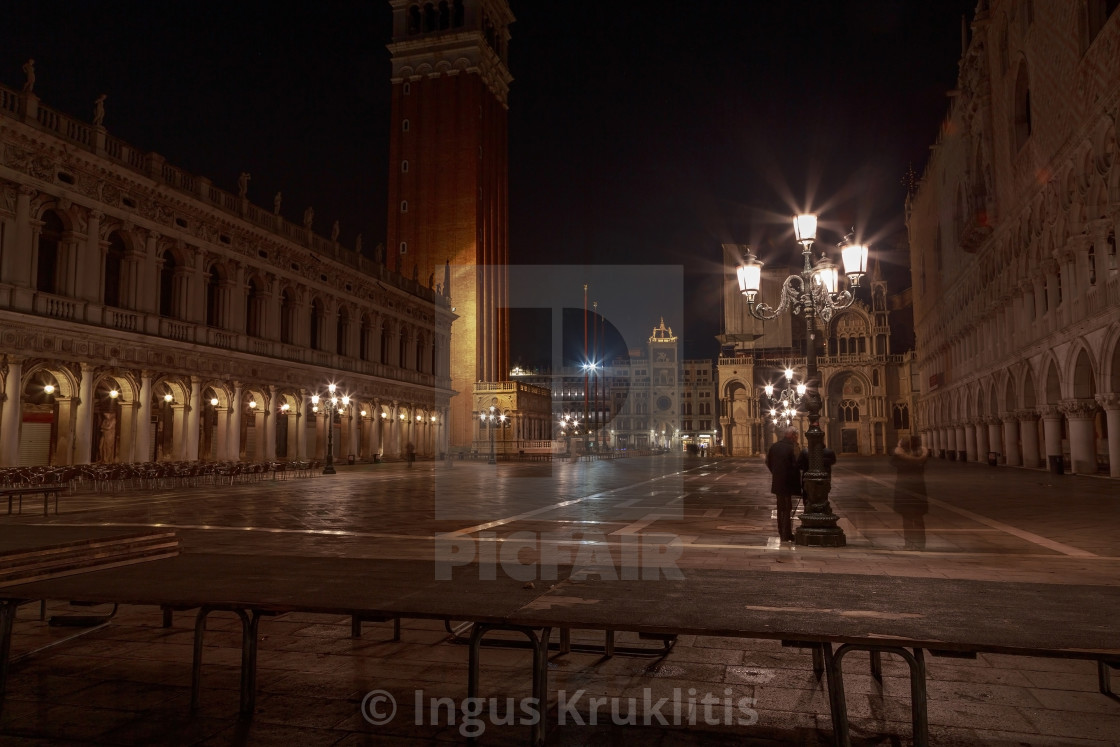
pixel 448 212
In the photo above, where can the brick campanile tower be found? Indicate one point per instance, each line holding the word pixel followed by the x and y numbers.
pixel 449 177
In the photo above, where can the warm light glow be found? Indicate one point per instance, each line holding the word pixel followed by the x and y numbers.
pixel 213 401
pixel 805 228
pixel 49 388
pixel 417 418
pixel 331 387
pixel 363 413
pixel 167 397
pixel 800 390
pixel 285 407
pixel 826 274
pixel 750 276
pixel 402 416
pixel 769 389
pixel 113 394
pixel 252 404
pixel 384 415
pixel 854 257
pixel 315 408
pixel 433 418
pixel 789 374
pixel 773 412
pixel 314 399
pixel 345 401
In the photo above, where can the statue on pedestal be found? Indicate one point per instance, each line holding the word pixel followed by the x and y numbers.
pixel 29 71
pixel 107 447
pixel 99 110
pixel 243 184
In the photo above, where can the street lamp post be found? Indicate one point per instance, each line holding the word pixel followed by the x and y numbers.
pixel 491 420
pixel 814 292
pixel 333 404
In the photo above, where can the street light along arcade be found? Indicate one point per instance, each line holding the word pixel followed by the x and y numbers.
pixel 813 292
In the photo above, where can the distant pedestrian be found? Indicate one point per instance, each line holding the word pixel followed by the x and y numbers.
pixel 410 453
pixel 910 500
pixel 785 479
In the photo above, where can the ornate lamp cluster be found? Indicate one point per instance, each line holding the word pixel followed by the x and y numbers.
pixel 783 407
pixel 811 293
pixel 333 403
pixel 815 291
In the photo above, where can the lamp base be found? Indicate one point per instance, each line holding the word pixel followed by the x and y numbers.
pixel 819 530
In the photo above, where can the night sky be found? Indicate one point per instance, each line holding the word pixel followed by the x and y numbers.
pixel 640 133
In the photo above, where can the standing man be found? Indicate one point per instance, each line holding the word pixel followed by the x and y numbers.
pixel 781 460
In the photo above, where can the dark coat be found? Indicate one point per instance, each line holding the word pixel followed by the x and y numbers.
pixel 781 460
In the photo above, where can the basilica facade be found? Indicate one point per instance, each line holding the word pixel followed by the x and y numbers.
pixel 146 314
pixel 1013 244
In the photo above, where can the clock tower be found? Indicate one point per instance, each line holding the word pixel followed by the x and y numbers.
pixel 448 177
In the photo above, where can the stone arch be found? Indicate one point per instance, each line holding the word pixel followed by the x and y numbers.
pixel 1082 375
pixel 1052 382
pixel 1110 361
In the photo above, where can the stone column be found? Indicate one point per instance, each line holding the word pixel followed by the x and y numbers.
pixel 91 263
pixel 970 441
pixel 1010 439
pixel 270 414
pixel 1052 431
pixel 233 436
pixel 376 429
pixel 301 424
pixel 178 431
pixel 982 447
pixel 194 413
pixel 83 417
pixel 1111 404
pixel 320 447
pixel 394 436
pixel 355 423
pixel 64 430
pixel 142 445
pixel 147 298
pixel 1082 446
pixel 995 436
pixel 221 436
pixel 11 271
pixel 1028 433
pixel 11 416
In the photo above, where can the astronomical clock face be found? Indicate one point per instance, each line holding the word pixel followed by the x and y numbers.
pixel 664 356
pixel 664 403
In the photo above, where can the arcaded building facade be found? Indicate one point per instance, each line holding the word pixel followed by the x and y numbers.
pixel 146 314
pixel 1013 243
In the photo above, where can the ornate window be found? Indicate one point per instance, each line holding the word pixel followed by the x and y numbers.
pixel 50 236
pixel 849 411
pixel 901 417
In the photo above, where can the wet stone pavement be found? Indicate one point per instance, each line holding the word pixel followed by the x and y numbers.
pixel 129 682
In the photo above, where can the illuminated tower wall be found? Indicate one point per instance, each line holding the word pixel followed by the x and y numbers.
pixel 448 176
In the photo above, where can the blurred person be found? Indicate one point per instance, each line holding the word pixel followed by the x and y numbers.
pixel 785 480
pixel 910 501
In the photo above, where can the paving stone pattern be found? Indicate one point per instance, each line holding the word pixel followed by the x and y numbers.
pixel 128 682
